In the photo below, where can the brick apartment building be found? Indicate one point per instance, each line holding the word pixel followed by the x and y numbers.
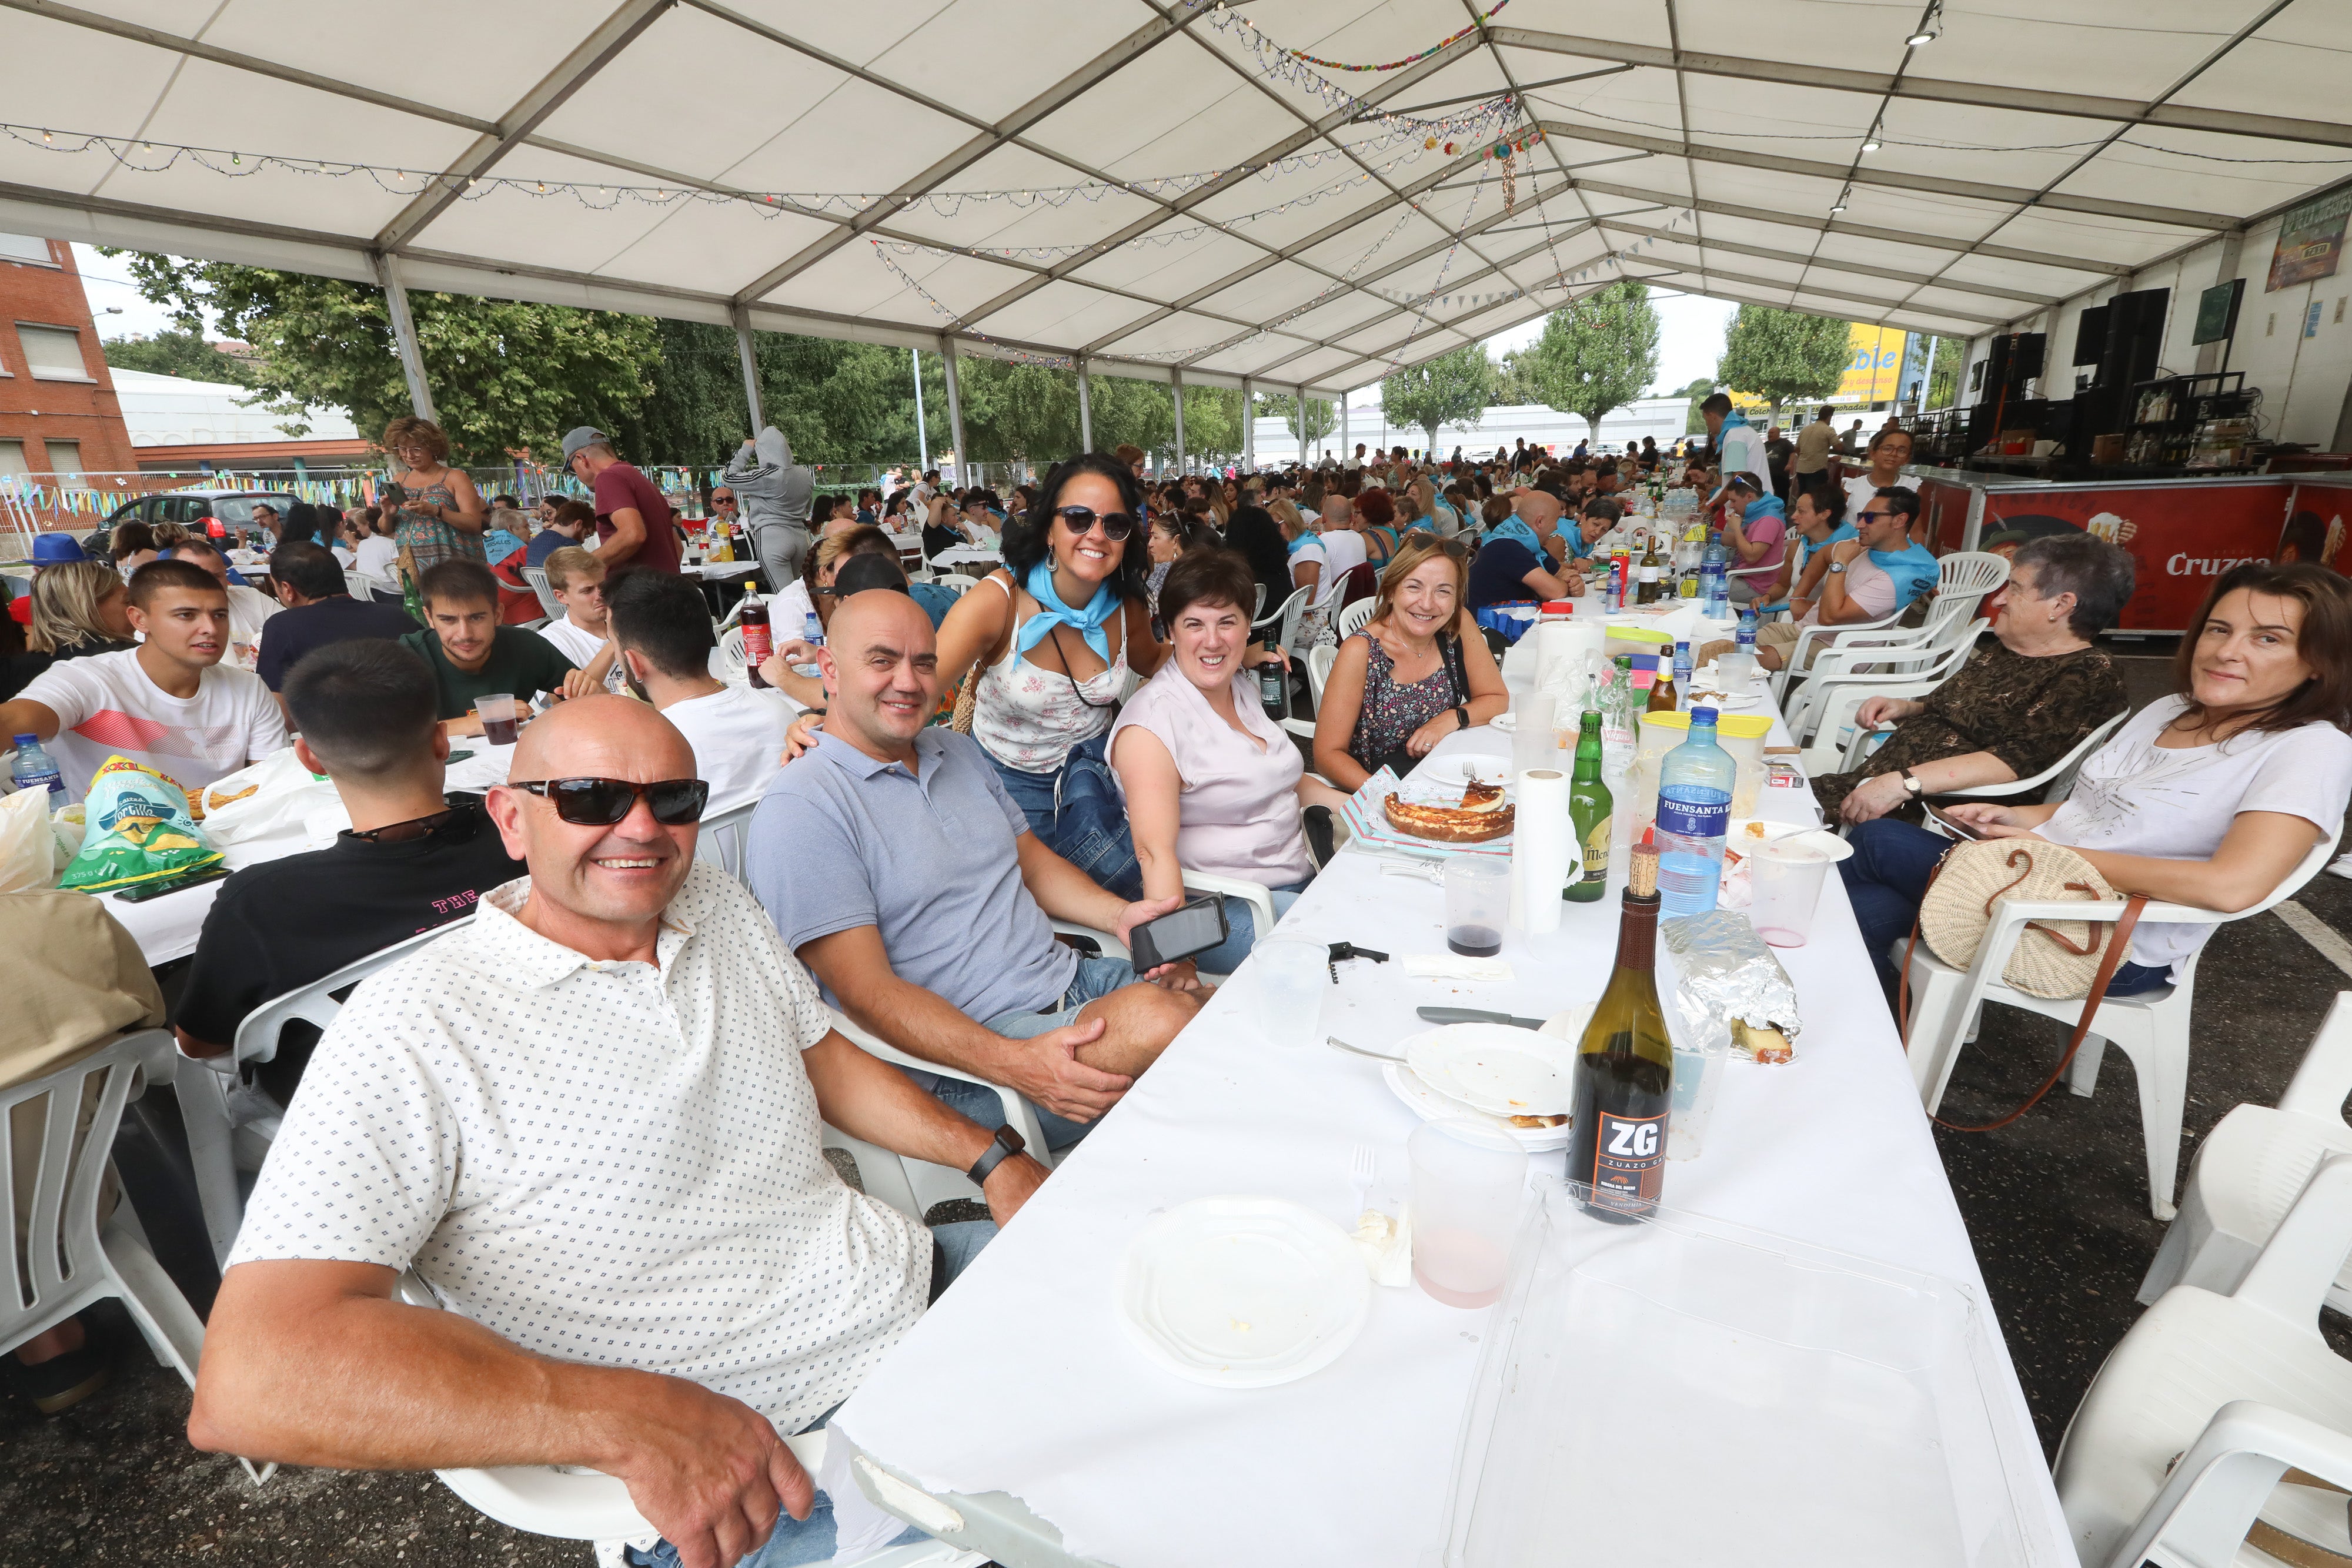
pixel 58 408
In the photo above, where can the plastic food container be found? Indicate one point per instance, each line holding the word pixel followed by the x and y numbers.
pixel 1683 1390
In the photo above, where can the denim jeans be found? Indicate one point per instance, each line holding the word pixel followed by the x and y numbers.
pixel 810 1540
pixel 1077 812
pixel 1095 977
pixel 1886 877
pixel 1241 929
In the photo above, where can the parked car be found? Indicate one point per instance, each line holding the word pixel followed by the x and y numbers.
pixel 190 508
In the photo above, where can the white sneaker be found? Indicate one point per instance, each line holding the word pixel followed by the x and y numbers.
pixel 2342 864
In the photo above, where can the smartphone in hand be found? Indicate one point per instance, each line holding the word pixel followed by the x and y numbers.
pixel 1196 927
pixel 1956 826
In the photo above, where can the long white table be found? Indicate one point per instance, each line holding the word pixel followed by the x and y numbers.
pixel 1020 1401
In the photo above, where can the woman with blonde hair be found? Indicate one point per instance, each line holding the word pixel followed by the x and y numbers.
pixel 1416 673
pixel 438 515
pixel 79 607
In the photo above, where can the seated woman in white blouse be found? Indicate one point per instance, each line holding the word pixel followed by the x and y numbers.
pixel 1211 783
pixel 2207 798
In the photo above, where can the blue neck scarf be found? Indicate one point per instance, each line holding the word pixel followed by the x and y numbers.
pixel 1515 529
pixel 1053 612
pixel 1300 543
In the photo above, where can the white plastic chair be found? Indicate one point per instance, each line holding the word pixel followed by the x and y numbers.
pixel 1873 671
pixel 2185 1436
pixel 2249 1169
pixel 1283 622
pixel 359 585
pixel 536 576
pixel 2051 783
pixel 202 1085
pixel 926 1184
pixel 69 1261
pixel 724 836
pixel 956 582
pixel 1354 618
pixel 1256 894
pixel 2150 1029
pixel 1963 579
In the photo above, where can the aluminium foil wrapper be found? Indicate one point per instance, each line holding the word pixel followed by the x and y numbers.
pixel 1724 971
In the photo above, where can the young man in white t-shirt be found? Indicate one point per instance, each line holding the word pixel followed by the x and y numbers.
pixel 166 704
pixel 1855 589
pixel 576 579
pixel 662 628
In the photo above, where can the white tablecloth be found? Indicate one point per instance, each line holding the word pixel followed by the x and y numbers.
pixel 1023 1380
pixel 969 555
pixel 735 570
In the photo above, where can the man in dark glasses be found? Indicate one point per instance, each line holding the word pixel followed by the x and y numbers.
pixel 590 1118
pixel 899 871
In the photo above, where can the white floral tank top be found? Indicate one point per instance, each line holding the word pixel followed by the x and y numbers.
pixel 1029 718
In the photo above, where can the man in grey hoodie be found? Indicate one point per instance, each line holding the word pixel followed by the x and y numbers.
pixel 775 493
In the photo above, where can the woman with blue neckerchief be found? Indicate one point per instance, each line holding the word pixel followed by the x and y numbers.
pixel 1049 638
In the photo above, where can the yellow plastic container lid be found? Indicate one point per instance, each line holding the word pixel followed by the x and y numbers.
pixel 1740 726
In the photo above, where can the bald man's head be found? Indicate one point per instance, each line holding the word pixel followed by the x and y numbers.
pixel 880 662
pixel 592 879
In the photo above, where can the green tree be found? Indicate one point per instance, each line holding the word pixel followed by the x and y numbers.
pixel 1322 416
pixel 1131 412
pixel 1515 385
pixel 1944 378
pixel 1598 353
pixel 1783 356
pixel 506 376
pixel 1212 424
pixel 1697 391
pixel 177 354
pixel 1450 389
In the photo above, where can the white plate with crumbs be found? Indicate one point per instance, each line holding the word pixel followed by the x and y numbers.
pixel 1499 1069
pixel 1242 1293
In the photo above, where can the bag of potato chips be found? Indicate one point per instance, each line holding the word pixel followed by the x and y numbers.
pixel 138 829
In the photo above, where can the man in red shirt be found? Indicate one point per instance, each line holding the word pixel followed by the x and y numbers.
pixel 632 519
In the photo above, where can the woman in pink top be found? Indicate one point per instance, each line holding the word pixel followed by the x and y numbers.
pixel 1211 783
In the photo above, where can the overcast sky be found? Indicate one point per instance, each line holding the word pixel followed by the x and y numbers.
pixel 1690 335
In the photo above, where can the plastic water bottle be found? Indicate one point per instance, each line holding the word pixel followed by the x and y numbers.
pixel 1746 635
pixel 1682 666
pixel 1694 813
pixel 1714 581
pixel 35 769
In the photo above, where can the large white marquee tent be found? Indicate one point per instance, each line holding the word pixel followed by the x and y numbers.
pixel 1167 189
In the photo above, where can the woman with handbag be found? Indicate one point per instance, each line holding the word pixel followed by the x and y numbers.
pixel 2209 797
pixel 1415 674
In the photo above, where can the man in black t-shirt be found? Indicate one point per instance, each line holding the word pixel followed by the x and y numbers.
pixel 410 861
pixel 1522 558
pixel 320 609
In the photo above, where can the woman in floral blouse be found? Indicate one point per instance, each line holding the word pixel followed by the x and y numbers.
pixel 2017 707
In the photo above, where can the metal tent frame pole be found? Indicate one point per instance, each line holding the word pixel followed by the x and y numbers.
pixel 750 368
pixel 1303 460
pixel 1176 395
pixel 1086 410
pixel 955 411
pixel 403 336
pixel 922 443
pixel 1346 439
pixel 1249 426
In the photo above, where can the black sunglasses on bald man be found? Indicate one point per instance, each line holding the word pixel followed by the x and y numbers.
pixel 600 802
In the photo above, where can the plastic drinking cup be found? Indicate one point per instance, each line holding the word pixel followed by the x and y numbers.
pixel 1698 1073
pixel 1291 974
pixel 1468 1180
pixel 1784 877
pixel 1477 901
pixel 497 710
pixel 1533 744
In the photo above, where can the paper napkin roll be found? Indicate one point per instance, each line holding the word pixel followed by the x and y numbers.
pixel 1543 849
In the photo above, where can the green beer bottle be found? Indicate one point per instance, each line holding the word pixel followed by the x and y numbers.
pixel 1589 810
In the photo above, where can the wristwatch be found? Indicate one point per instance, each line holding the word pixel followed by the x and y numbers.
pixel 1462 713
pixel 1911 785
pixel 1007 1144
pixel 1837 566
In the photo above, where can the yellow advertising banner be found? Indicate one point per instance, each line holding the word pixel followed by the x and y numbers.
pixel 1873 369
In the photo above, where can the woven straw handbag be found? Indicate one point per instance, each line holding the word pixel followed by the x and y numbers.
pixel 2054 959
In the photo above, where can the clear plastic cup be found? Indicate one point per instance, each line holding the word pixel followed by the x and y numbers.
pixel 497 711
pixel 1291 974
pixel 1468 1180
pixel 1533 742
pixel 1477 902
pixel 1784 877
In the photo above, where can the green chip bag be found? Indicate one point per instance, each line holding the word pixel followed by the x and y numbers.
pixel 138 830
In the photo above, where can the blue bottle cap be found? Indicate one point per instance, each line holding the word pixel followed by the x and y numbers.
pixel 24 740
pixel 1703 716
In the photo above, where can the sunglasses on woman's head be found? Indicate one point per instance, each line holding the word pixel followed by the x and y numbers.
pixel 1115 526
pixel 600 802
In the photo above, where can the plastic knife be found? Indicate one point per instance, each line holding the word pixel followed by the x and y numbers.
pixel 1473 1015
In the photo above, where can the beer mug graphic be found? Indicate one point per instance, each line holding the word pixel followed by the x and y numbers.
pixel 2105 525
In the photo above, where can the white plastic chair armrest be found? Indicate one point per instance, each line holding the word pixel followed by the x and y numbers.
pixel 1304 728
pixel 2202 1512
pixel 1253 893
pixel 1859 747
pixel 2323 1080
pixel 1017 1111
pixel 1112 947
pixel 2299 1263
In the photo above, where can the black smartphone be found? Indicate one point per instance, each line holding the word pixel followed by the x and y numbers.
pixel 1195 928
pixel 1954 825
pixel 147 889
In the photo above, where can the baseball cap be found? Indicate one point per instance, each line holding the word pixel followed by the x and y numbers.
pixel 51 549
pixel 584 435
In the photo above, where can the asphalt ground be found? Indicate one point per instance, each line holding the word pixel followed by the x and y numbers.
pixel 2056 1203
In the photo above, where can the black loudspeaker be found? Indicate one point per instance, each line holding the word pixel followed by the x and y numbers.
pixel 1998 349
pixel 2135 337
pixel 2025 360
pixel 2091 336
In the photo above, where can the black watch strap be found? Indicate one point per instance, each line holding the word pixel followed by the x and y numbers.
pixel 1007 1144
pixel 1462 713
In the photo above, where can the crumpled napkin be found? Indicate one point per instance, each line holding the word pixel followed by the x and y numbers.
pixel 1387 1246
pixel 1453 967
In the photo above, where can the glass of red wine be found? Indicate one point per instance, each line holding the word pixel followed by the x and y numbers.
pixel 1478 894
pixel 498 714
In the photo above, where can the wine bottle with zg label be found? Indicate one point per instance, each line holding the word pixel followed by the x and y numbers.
pixel 1624 1076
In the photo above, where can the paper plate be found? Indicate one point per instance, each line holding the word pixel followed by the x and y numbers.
pixel 1242 1293
pixel 1430 1106
pixel 1499 1069
pixel 1504 723
pixel 1453 772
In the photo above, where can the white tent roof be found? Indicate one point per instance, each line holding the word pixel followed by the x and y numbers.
pixel 1160 184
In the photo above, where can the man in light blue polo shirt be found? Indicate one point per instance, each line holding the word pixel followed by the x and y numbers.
pixel 903 875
